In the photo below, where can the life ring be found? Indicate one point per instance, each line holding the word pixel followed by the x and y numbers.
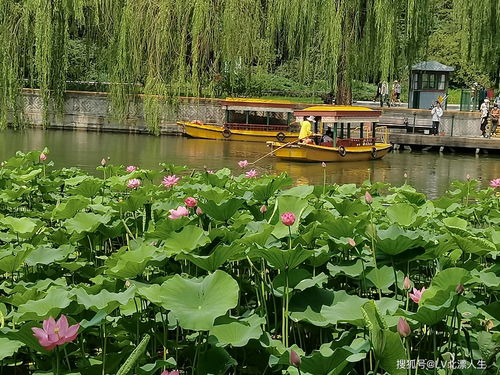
pixel 342 151
pixel 374 152
pixel 226 133
pixel 280 136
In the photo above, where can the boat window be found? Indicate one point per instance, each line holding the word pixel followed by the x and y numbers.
pixel 259 117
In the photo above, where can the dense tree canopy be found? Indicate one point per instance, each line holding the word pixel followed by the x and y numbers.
pixel 162 47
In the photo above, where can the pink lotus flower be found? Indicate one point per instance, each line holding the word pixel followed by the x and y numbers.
pixel 199 211
pixel 495 183
pixel 133 183
pixel 368 198
pixel 243 163
pixel 263 209
pixel 417 294
pixel 351 242
pixel 43 157
pixel 103 162
pixel 295 359
pixel 403 327
pixel 174 372
pixel 169 181
pixel 131 168
pixel 178 213
pixel 251 173
pixel 288 218
pixel 55 333
pixel 406 283
pixel 191 202
pixel 210 171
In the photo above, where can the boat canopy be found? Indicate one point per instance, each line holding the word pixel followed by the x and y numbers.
pixel 346 114
pixel 257 105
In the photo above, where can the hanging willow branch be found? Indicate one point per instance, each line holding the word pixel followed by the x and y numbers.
pixel 164 48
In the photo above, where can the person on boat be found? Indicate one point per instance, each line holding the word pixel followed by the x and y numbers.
pixel 327 139
pixel 305 130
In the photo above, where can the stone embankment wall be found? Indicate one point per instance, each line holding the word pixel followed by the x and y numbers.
pixel 90 111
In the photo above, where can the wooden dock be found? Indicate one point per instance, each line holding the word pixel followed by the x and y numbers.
pixel 444 143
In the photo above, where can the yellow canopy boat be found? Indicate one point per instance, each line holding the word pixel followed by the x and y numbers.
pixel 355 136
pixel 253 120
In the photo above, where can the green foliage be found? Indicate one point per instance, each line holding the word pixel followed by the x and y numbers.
pixel 231 289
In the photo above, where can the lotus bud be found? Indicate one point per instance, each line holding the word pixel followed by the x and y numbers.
pixel 368 198
pixel 43 157
pixel 104 162
pixel 263 209
pixel 288 218
pixel 405 175
pixel 351 242
pixel 323 164
pixel 403 327
pixel 406 283
pixel 199 211
pixel 468 177
pixel 459 289
pixel 191 202
pixel 128 284
pixel 295 359
pixel 488 324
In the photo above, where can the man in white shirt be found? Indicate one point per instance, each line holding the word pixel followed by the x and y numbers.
pixel 485 109
pixel 436 113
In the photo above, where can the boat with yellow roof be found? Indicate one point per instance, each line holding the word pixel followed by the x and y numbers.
pixel 252 120
pixel 353 135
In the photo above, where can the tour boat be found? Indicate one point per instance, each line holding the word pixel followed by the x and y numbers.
pixel 253 120
pixel 356 136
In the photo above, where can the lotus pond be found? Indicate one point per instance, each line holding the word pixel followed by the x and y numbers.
pixel 156 271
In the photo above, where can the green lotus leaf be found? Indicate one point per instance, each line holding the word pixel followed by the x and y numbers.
pixel 489 279
pixel 217 258
pixel 187 240
pixel 29 176
pixel 8 347
pixel 301 191
pixel 394 240
pixel 85 222
pixel 347 207
pixel 387 345
pixel 352 270
pixel 348 189
pixel 288 203
pixel 69 208
pixel 215 361
pixel 402 214
pixel 23 226
pixel 256 233
pixel 127 264
pixel 306 305
pixel 52 304
pixel 339 227
pixel 222 211
pixel 413 197
pixel 196 303
pixel 12 258
pixel 104 300
pixel 237 333
pixel 89 187
pixel 282 259
pixel 345 308
pixel 263 192
pixel 474 245
pixel 455 222
pixel 45 255
pixel 382 277
pixel 333 364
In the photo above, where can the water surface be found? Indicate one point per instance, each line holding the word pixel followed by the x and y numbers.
pixel 429 172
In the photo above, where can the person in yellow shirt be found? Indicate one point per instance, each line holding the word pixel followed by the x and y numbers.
pixel 305 128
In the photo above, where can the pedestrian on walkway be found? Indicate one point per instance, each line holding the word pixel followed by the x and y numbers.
pixel 495 116
pixel 485 109
pixel 436 113
pixel 396 93
pixel 384 94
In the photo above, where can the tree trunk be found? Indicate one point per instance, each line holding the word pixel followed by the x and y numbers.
pixel 344 84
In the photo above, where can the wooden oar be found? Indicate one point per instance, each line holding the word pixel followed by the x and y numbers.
pixel 272 151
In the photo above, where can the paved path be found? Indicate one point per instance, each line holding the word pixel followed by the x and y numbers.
pixel 420 141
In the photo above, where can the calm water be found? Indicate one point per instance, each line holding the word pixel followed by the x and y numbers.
pixel 429 172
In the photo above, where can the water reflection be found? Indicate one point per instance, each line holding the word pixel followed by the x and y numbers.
pixel 429 172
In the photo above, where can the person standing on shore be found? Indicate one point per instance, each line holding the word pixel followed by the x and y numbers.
pixel 436 113
pixel 384 94
pixel 495 116
pixel 396 93
pixel 485 109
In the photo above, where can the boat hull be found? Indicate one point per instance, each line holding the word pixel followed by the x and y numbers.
pixel 217 132
pixel 313 153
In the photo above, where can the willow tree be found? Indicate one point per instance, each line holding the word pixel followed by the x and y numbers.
pixel 161 48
